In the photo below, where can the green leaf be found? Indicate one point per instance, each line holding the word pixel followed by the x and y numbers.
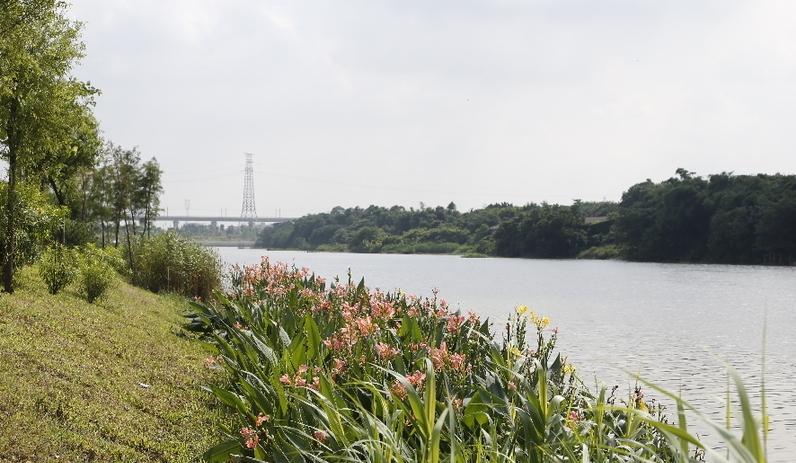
pixel 313 337
pixel 221 452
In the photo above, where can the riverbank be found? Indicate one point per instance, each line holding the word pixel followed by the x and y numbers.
pixel 608 252
pixel 115 381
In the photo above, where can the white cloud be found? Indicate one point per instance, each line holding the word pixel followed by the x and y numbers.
pixel 468 101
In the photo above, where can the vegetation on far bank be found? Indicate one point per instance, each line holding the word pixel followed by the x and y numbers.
pixel 107 382
pixel 734 219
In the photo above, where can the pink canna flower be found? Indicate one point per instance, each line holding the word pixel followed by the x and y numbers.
pixel 250 437
pixel 386 352
pixel 398 390
pixel 417 379
pixel 458 361
pixel 320 436
pixel 261 419
pixel 338 366
pixel 439 356
pixel 454 323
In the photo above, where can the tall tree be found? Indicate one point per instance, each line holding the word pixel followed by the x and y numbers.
pixel 39 45
pixel 150 188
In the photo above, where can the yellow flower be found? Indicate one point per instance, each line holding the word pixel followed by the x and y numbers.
pixel 515 352
pixel 543 322
pixel 521 309
pixel 569 368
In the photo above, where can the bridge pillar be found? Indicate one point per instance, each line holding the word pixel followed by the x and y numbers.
pixel 176 224
pixel 214 224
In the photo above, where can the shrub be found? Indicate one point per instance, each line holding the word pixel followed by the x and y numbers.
pixel 37 220
pixel 167 262
pixel 96 274
pixel 57 268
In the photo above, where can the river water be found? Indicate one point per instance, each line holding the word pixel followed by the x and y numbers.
pixel 675 324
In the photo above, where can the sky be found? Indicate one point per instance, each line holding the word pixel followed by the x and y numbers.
pixel 361 102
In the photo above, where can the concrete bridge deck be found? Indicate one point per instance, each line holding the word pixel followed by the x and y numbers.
pixel 210 219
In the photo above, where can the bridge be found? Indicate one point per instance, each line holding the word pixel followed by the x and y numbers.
pixel 176 219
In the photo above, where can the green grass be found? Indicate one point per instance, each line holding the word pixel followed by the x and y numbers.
pixel 71 374
pixel 609 251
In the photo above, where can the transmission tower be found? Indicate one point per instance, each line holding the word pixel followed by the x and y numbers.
pixel 248 211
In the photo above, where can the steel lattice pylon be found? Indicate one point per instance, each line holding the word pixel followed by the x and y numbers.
pixel 248 210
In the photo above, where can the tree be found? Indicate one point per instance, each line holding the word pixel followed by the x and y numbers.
pixel 149 189
pixel 39 46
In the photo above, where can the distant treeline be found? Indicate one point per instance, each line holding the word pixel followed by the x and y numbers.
pixel 724 218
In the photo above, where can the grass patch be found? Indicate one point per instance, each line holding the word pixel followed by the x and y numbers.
pixel 608 251
pixel 71 376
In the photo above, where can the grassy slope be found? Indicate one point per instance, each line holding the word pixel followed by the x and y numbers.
pixel 70 374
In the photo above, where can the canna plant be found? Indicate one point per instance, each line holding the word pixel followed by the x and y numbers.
pixel 340 373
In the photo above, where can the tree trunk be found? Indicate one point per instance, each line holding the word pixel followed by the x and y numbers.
pixel 116 239
pixel 59 196
pixel 11 198
pixel 132 221
pixel 129 248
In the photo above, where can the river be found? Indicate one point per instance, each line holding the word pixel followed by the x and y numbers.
pixel 675 324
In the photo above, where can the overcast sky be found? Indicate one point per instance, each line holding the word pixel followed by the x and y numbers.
pixel 397 102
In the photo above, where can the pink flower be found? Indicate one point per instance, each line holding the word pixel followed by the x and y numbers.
pixel 454 323
pixel 261 419
pixel 250 437
pixel 320 436
pixel 386 352
pixel 512 386
pixel 417 379
pixel 366 326
pixel 339 366
pixel 398 390
pixel 458 361
pixel 439 356
pixel 285 379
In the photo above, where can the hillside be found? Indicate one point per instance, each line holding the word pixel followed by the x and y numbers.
pixel 115 381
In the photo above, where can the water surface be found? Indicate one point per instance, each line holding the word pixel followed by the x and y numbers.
pixel 672 323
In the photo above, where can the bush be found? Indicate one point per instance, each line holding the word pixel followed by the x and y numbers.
pixel 167 262
pixel 96 274
pixel 37 220
pixel 57 268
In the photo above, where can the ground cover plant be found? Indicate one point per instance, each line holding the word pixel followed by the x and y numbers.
pixel 107 382
pixel 335 372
